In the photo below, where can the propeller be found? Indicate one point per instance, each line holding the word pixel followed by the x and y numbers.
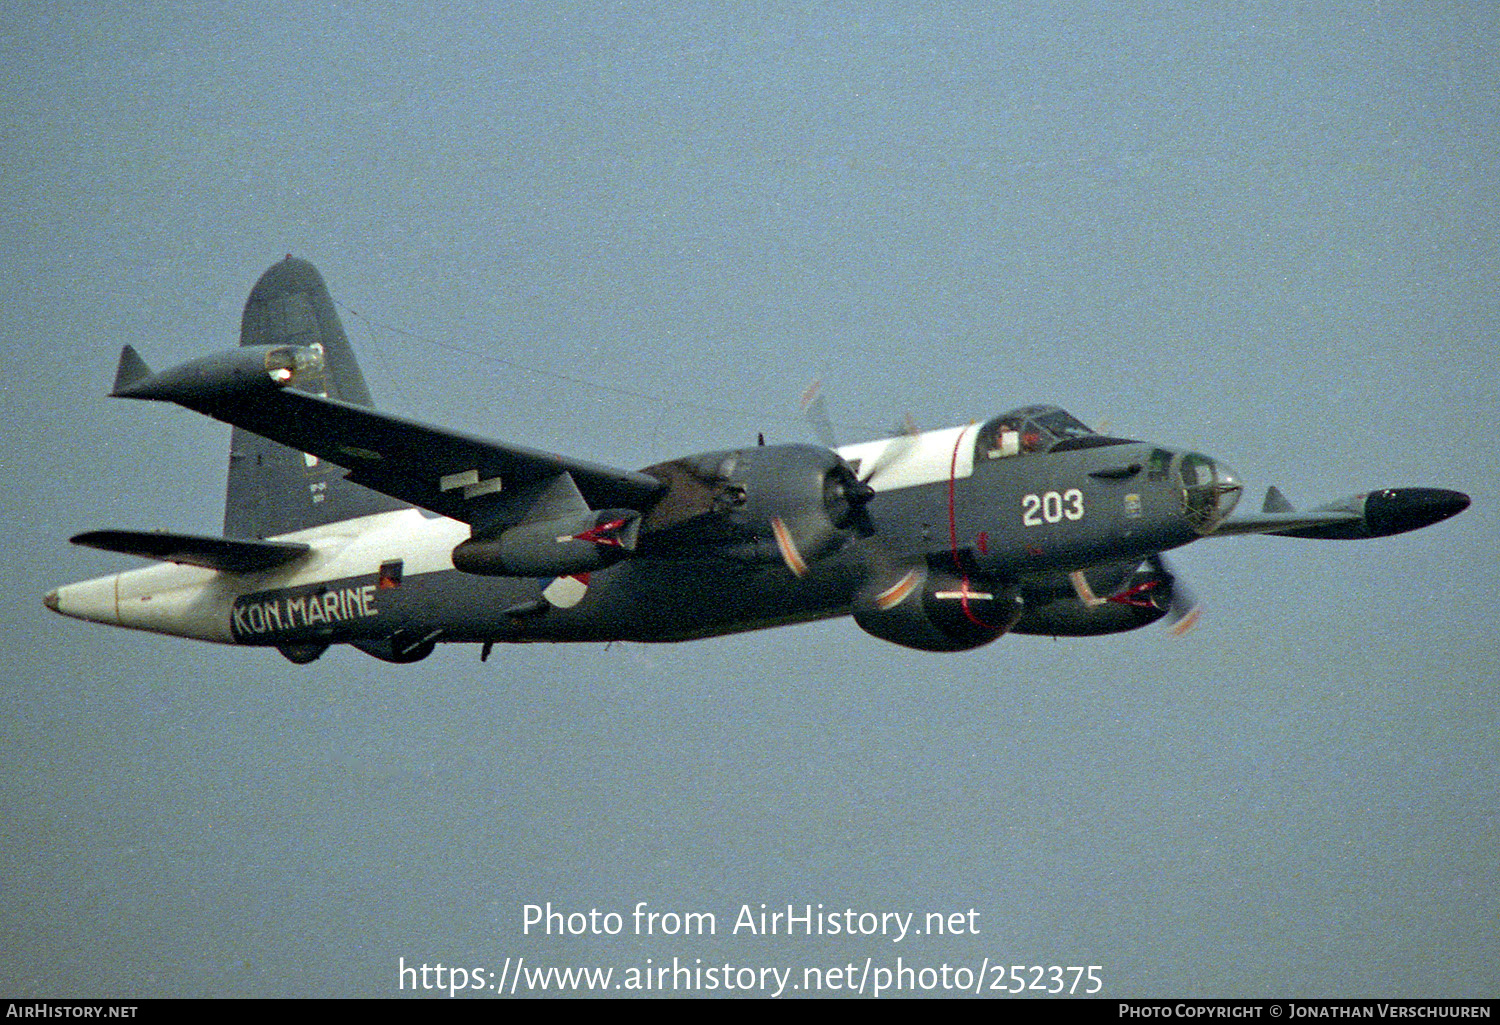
pixel 843 499
pixel 846 494
pixel 815 411
pixel 847 489
pixel 1183 610
pixel 1160 590
pixel 904 438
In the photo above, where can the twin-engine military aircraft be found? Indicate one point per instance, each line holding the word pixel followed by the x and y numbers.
pixel 348 525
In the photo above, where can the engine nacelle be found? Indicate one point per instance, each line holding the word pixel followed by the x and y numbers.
pixel 795 503
pixel 573 544
pixel 936 609
pixel 1138 596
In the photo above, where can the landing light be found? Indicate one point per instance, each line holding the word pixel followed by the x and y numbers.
pixel 289 362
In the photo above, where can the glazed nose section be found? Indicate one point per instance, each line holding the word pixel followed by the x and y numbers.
pixel 1227 486
pixel 1210 490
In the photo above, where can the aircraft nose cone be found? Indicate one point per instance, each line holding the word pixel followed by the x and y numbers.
pixel 1401 509
pixel 1453 503
pixel 51 601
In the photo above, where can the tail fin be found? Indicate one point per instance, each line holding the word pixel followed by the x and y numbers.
pixel 274 489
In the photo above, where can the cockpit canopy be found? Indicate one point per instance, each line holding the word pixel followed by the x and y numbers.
pixel 1033 429
pixel 1208 489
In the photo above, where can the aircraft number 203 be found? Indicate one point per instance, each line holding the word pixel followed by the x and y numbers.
pixel 1051 507
pixel 438 536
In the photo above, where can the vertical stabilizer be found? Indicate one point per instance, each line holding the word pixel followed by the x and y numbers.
pixel 274 489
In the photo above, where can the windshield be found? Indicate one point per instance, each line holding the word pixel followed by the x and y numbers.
pixel 1033 429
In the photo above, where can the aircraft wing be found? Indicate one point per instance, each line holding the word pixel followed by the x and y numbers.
pixel 231 555
pixel 435 468
pixel 1372 514
pixel 481 482
pixel 1284 523
pixel 457 475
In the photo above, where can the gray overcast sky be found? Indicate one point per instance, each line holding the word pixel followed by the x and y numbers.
pixel 1268 234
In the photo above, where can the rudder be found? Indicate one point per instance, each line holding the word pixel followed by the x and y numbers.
pixel 274 489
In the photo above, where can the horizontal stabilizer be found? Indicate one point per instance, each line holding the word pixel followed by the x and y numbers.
pixel 224 554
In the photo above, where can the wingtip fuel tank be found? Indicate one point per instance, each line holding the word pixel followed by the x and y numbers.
pixel 232 374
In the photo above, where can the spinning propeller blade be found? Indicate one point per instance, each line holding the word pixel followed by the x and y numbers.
pixel 816 412
pixel 1183 612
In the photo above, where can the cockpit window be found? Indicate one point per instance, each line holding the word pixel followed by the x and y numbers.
pixel 1033 429
pixel 1062 425
pixel 999 437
